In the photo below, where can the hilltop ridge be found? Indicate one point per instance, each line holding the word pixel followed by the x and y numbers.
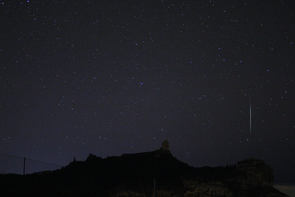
pixel 142 174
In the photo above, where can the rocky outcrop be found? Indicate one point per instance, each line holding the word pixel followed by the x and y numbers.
pixel 250 177
pixel 165 145
pixel 254 173
pixel 142 175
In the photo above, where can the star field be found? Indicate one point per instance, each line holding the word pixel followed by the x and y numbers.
pixel 114 77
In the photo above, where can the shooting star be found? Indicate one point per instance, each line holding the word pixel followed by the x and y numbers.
pixel 250 118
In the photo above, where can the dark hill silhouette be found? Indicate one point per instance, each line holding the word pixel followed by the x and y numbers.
pixel 136 175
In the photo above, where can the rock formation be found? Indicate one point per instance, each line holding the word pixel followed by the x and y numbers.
pixel 255 173
pixel 165 145
pixel 142 174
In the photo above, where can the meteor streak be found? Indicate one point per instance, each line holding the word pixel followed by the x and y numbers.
pixel 250 118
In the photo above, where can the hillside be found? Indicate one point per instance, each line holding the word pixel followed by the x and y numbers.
pixel 141 174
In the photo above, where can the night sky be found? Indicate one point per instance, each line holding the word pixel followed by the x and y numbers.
pixel 215 78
